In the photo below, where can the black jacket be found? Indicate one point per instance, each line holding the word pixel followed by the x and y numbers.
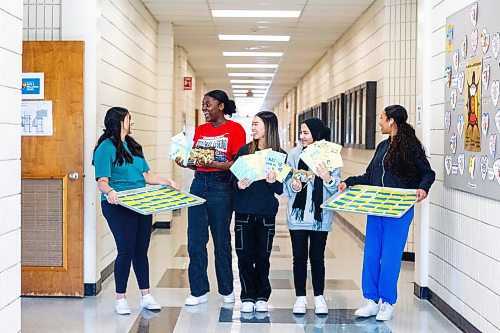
pixel 377 175
pixel 259 198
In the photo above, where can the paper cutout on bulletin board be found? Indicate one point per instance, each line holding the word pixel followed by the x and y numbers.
pixel 373 200
pixel 472 140
pixel 449 38
pixel 151 200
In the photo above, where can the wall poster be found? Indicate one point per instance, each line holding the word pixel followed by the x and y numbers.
pixel 472 90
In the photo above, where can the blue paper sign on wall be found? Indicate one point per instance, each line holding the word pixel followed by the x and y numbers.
pixel 32 86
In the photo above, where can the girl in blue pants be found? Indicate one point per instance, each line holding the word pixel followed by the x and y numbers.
pixel 399 161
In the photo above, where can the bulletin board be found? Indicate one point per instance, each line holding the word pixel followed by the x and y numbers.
pixel 373 200
pixel 472 106
pixel 153 199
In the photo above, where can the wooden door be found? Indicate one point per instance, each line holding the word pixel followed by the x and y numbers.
pixel 52 200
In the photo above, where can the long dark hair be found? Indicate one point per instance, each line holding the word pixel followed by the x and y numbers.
pixel 112 123
pixel 404 147
pixel 271 136
pixel 221 96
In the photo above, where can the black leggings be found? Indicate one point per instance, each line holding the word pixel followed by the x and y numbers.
pixel 316 249
pixel 132 232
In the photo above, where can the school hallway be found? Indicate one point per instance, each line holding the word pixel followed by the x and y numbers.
pixel 170 286
pixel 65 63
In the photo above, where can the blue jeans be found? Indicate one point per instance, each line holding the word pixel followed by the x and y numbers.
pixel 384 245
pixel 216 214
pixel 132 232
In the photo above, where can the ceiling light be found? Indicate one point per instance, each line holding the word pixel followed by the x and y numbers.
pixel 246 86
pixel 246 94
pixel 255 13
pixel 251 81
pixel 256 91
pixel 251 65
pixel 252 74
pixel 252 54
pixel 266 38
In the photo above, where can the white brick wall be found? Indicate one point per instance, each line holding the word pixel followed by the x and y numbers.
pixel 42 19
pixel 10 164
pixel 185 103
pixel 464 261
pixel 380 46
pixel 127 69
pixel 165 105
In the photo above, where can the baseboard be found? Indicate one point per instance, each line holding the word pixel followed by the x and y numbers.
pixel 456 318
pixel 407 256
pixel 420 292
pixel 92 289
pixel 161 225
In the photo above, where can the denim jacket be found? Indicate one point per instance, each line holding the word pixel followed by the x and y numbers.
pixel 308 223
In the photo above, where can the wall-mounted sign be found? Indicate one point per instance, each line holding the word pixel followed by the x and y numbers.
pixel 188 83
pixel 36 118
pixel 32 86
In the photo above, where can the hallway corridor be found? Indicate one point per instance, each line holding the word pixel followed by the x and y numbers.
pixel 169 261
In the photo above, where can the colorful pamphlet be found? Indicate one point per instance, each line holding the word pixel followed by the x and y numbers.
pixel 257 166
pixel 241 170
pixel 180 146
pixel 322 151
pixel 373 200
pixel 282 170
pixel 272 159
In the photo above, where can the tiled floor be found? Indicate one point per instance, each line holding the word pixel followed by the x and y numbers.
pixel 169 261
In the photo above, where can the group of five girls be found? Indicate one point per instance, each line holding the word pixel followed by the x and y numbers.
pixel 399 161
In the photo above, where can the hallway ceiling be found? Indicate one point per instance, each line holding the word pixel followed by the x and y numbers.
pixel 320 24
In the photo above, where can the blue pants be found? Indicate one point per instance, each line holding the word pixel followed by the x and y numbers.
pixel 384 245
pixel 215 214
pixel 132 232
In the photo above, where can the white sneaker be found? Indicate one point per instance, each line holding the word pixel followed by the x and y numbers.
pixel 193 300
pixel 320 306
pixel 121 307
pixel 300 305
pixel 228 298
pixel 261 306
pixel 369 309
pixel 385 312
pixel 148 302
pixel 247 307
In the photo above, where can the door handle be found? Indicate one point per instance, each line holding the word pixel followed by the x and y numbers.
pixel 74 175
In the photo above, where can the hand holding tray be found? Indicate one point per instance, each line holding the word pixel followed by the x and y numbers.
pixel 154 199
pixel 373 200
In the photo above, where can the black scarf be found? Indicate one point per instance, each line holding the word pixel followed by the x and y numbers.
pixel 299 203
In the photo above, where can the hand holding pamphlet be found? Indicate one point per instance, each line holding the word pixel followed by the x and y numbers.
pixel 180 146
pixel 322 151
pixel 257 166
